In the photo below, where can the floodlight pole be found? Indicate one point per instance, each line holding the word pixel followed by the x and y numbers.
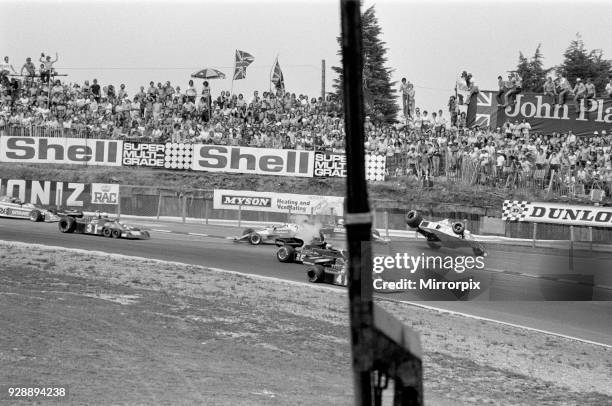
pixel 358 219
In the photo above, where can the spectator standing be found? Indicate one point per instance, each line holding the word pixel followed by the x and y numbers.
pixel 563 90
pixel 590 92
pixel 95 90
pixel 47 70
pixel 579 93
pixel 609 88
pixel 549 89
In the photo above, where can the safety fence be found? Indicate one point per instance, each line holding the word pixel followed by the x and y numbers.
pixel 198 204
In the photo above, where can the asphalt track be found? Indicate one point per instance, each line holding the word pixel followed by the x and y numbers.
pixel 541 289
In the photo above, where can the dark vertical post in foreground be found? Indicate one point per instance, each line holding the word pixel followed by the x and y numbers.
pixel 382 347
pixel 358 219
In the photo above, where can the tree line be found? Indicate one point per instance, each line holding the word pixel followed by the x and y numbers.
pixel 381 96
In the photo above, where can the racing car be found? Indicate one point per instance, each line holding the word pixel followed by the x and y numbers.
pixel 333 229
pixel 325 263
pixel 102 225
pixel 12 207
pixel 444 232
pixel 270 234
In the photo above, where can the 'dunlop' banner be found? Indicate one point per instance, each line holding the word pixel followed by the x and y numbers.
pixel 537 212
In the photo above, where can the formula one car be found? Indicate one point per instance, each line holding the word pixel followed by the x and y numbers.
pixel 333 229
pixel 12 207
pixel 444 232
pixel 325 263
pixel 270 234
pixel 101 225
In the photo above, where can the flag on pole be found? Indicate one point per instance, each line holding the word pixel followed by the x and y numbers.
pixel 277 77
pixel 243 59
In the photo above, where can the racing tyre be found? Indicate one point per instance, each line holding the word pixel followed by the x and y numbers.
pixel 146 234
pixel 434 245
pixel 255 239
pixel 248 231
pixel 36 216
pixel 67 225
pixel 315 274
pixel 413 218
pixel 458 228
pixel 115 233
pixel 285 254
pixel 479 252
pixel 107 232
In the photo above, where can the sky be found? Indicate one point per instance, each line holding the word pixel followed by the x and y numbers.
pixel 429 42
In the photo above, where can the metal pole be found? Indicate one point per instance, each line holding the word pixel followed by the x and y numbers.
pixel 184 206
pixel 535 231
pixel 358 216
pixel 323 79
pixel 387 223
pixel 590 238
pixel 159 204
pixel 206 210
pixel 571 250
pixel 239 216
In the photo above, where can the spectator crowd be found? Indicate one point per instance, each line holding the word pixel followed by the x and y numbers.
pixel 424 144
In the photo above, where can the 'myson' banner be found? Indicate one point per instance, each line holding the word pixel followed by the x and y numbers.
pixel 277 202
pixel 542 114
pixel 534 212
pixel 67 194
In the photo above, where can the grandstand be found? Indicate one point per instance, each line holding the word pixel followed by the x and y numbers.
pixel 425 145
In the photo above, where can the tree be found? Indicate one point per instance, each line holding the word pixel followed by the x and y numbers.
pixel 580 63
pixel 532 71
pixel 379 93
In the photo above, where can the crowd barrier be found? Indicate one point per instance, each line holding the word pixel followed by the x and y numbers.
pixel 199 204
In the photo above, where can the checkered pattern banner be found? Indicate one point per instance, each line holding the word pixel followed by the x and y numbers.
pixel 178 155
pixel 375 167
pixel 514 210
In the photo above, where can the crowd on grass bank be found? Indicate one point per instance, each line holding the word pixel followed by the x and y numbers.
pixel 422 145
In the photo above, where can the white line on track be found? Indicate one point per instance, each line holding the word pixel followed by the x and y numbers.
pixel 161 231
pixel 310 285
pixel 199 234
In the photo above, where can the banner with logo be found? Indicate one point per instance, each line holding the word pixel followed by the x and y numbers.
pixel 154 155
pixel 256 161
pixel 542 114
pixel 333 165
pixel 534 212
pixel 53 193
pixel 105 193
pixel 76 151
pixel 277 202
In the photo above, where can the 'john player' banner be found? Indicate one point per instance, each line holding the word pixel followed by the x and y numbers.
pixel 333 165
pixel 169 155
pixel 542 114
pixel 533 212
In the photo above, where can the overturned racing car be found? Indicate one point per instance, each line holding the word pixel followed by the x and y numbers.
pixel 104 226
pixel 12 207
pixel 444 232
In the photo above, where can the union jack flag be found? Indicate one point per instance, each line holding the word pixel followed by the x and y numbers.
pixel 243 59
pixel 277 77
